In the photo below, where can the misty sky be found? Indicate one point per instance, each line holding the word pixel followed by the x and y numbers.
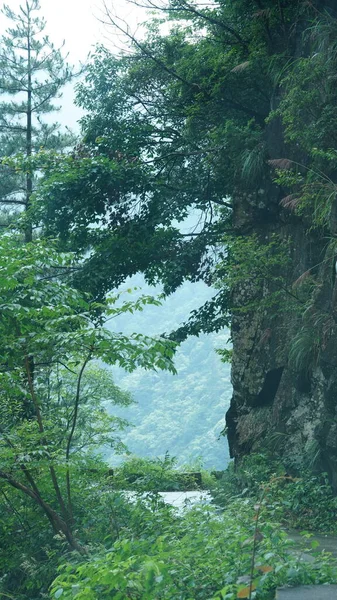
pixel 77 23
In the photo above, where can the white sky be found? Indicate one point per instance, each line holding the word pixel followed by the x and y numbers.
pixel 74 22
pixel 77 22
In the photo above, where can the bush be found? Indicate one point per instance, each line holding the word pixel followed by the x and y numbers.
pixel 155 475
pixel 197 555
pixel 305 501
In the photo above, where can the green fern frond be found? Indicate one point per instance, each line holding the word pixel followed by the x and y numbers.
pixel 253 162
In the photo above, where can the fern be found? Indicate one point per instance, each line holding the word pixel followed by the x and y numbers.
pixel 253 163
pixel 304 349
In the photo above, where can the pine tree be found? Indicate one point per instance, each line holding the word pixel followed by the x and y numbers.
pixel 32 73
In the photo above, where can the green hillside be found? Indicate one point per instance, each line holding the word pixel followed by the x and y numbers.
pixel 183 414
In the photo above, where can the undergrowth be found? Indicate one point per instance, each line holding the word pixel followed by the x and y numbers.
pixel 155 552
pixel 199 555
pixel 303 501
pixel 159 475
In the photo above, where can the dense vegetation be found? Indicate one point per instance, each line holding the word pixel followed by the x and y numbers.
pixel 177 129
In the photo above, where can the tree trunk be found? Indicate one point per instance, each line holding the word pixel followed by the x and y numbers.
pixel 29 177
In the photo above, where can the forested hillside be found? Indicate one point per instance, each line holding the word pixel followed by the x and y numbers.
pixel 182 414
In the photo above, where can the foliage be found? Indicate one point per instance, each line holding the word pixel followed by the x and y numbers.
pixel 53 414
pixel 248 477
pixel 307 503
pixel 175 174
pixel 144 548
pixel 150 159
pixel 198 554
pixel 226 354
pixel 317 323
pixel 255 273
pixel 154 475
pixel 307 111
pixel 182 129
pixel 303 501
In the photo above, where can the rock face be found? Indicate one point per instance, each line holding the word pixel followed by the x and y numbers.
pixel 284 369
pixel 284 311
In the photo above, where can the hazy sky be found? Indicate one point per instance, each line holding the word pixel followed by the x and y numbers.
pixel 73 21
pixel 77 22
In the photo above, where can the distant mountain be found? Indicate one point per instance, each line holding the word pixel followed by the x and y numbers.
pixel 183 414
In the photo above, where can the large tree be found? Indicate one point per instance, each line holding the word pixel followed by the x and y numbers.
pixel 45 430
pixel 173 131
pixel 33 72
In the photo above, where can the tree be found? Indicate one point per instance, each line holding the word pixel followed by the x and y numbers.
pixel 137 179
pixel 41 443
pixel 171 133
pixel 33 72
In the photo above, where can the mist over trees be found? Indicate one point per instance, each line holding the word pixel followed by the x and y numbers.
pixel 182 414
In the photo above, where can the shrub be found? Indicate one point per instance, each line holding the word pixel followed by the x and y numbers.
pixel 198 555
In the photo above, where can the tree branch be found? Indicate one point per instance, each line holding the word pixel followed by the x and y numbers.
pixel 71 434
pixel 44 440
pixel 59 526
pixel 144 50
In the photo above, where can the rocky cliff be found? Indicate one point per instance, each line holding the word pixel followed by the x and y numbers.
pixel 284 329
pixel 279 401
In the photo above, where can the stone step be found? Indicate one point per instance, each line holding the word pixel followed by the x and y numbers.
pixel 328 543
pixel 308 592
